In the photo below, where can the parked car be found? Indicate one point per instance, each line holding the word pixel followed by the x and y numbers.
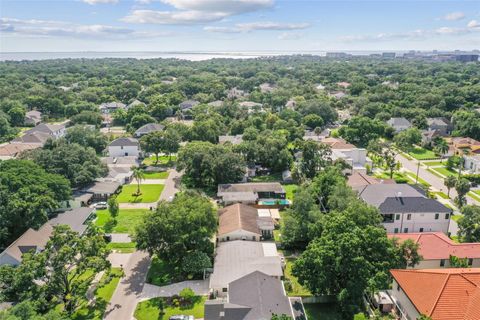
pixel 101 205
pixel 181 317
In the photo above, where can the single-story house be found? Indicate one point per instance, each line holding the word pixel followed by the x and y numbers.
pixel 472 163
pixel 311 135
pixel 110 107
pixel 122 175
pixel 236 259
pixel 399 124
pixel 101 190
pixel 250 193
pixel 251 106
pixel 441 294
pixel 38 138
pixel 123 147
pixel 441 125
pixel 12 150
pixel 30 240
pixel 343 84
pixel 148 128
pixel 77 219
pixel 237 139
pixel 252 297
pixel 338 94
pixel 436 249
pixel 242 222
pixel 33 118
pixel 291 104
pixel 429 135
pixel 80 199
pixel 216 103
pixel 405 208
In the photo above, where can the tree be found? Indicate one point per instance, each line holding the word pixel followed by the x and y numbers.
pixel 456 262
pixel 113 207
pixel 6 131
pixel 206 165
pixel 441 147
pixel 462 186
pixel 407 253
pixel 187 294
pixel 57 275
pixel 87 117
pixel 281 317
pixel 138 174
pixel 407 138
pixel 388 155
pixel 178 228
pixel 361 130
pixel 28 194
pixel 313 121
pixel 469 224
pixel 87 137
pixel 315 156
pixel 450 183
pixel 29 310
pixel 167 142
pixel 195 263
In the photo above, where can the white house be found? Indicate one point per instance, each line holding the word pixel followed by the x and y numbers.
pixel 123 147
pixel 406 209
pixel 355 157
pixel 472 163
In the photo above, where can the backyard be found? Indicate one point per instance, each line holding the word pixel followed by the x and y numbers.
pixel 156 175
pixel 296 290
pixel 126 220
pixel 290 189
pixel 148 193
pixel 422 154
pixel 149 309
pixel 322 311
pixel 162 160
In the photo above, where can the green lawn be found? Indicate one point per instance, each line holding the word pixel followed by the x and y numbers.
pixel 434 173
pixel 160 273
pixel 162 160
pixel 122 247
pixel 297 289
pixel 274 177
pixel 434 163
pixel 156 175
pixel 422 154
pixel 441 195
pixel 474 195
pixel 103 294
pixel 148 310
pixel 149 193
pixel 456 217
pixel 290 189
pixel 127 220
pixel 323 311
pixel 445 171
pixel 420 180
pixel 397 176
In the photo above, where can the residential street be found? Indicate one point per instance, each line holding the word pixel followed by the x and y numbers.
pixel 129 290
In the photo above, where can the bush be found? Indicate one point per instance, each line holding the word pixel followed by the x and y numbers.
pixel 187 295
pixel 475 178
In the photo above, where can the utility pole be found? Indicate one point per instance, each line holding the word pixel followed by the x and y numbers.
pixel 418 169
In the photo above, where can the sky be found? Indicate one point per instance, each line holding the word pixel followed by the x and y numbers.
pixel 238 25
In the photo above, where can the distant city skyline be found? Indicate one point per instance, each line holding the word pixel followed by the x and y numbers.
pixel 238 25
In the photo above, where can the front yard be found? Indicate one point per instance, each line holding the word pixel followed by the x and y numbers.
pixel 422 154
pixel 160 273
pixel 156 175
pixel 445 171
pixel 122 247
pixel 149 309
pixel 162 161
pixel 126 221
pixel 149 193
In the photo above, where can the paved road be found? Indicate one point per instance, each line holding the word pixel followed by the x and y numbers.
pixel 126 296
pixel 200 287
pixel 171 184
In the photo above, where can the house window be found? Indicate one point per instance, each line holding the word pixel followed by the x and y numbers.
pixel 470 261
pixel 421 229
pixel 442 263
pixel 405 230
pixel 409 216
pixel 397 216
pixel 388 218
pixel 436 216
pixel 447 216
pixel 396 230
pixel 224 289
pixel 398 287
pixel 228 238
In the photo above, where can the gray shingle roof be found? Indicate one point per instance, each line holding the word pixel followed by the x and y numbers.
pixel 251 187
pixel 148 128
pixel 398 122
pixel 124 142
pixel 46 128
pixel 188 104
pixel 103 187
pixel 74 218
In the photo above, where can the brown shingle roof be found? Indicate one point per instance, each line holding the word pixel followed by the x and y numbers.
pixel 30 240
pixel 238 217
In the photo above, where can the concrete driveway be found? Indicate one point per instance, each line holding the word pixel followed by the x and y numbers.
pixel 171 185
pixel 127 294
pixel 200 287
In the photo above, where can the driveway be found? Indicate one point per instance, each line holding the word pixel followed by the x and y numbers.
pixel 171 184
pixel 200 287
pixel 127 294
pixel 140 205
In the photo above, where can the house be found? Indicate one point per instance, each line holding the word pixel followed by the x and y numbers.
pixel 252 297
pixel 472 163
pixel 461 145
pixel 216 103
pixel 127 162
pixel 235 93
pixel 77 219
pixel 32 118
pixel 80 199
pixel 251 106
pixel 358 180
pixel 291 104
pixel 338 94
pixel 320 87
pixel 55 131
pixel 356 158
pixel 317 137
pixel 406 209
pixel 237 139
pixel 436 249
pixel 399 124
pixel 135 103
pixel 236 259
pixel 13 150
pixel 38 138
pixel 250 193
pixel 148 128
pixel 188 105
pixel 123 147
pixel 441 125
pixel 441 294
pixel 111 107
pixel 337 143
pixel 241 222
pixel 120 174
pixel 343 84
pixel 267 87
pixel 429 135
pixel 102 190
pixel 31 240
pixel 287 176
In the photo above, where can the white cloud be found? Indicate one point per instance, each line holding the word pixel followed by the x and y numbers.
pixel 66 29
pixel 454 16
pixel 290 36
pixel 473 24
pixel 92 2
pixel 448 30
pixel 256 26
pixel 195 11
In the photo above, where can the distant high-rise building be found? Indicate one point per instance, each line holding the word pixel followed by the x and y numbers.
pixel 337 55
pixel 467 57
pixel 388 55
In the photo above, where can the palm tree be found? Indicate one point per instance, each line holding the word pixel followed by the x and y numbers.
pixel 442 148
pixel 138 175
pixel 450 182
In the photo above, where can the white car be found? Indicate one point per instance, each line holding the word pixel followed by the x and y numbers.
pixel 101 205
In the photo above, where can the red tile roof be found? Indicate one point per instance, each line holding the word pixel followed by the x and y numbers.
pixel 436 245
pixel 442 294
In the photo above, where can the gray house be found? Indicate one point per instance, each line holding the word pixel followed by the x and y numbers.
pixel 148 128
pixel 441 126
pixel 399 124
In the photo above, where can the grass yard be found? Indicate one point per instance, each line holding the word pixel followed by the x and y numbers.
pixel 162 161
pixel 420 180
pixel 445 171
pixel 397 176
pixel 103 294
pixel 474 195
pixel 149 193
pixel 323 311
pixel 435 173
pixel 434 163
pixel 290 189
pixel 441 195
pixel 160 273
pixel 422 154
pixel 275 177
pixel 297 290
pixel 456 217
pixel 147 310
pixel 156 175
pixel 127 220
pixel 122 247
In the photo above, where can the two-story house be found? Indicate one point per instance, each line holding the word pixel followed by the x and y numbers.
pixel 123 147
pixel 399 124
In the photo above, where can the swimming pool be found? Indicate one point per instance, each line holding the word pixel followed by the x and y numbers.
pixel 281 202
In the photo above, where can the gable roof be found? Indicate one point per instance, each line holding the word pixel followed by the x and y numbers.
pixel 237 139
pixel 148 128
pixel 30 240
pixel 359 179
pixel 103 187
pixel 439 121
pixel 125 142
pixel 436 245
pixel 394 122
pixel 13 149
pixel 34 114
pixel 337 143
pixel 238 217
pixel 36 137
pixel 442 294
pixel 251 187
pixel 46 128
pixel 74 218
pixel 188 104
